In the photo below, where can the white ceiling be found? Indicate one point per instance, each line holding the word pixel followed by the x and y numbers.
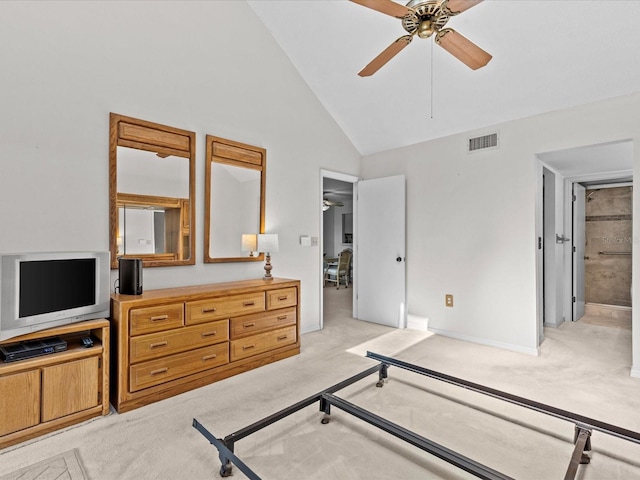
pixel 607 160
pixel 547 55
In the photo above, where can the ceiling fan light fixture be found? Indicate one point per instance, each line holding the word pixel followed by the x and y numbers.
pixel 426 29
pixel 426 19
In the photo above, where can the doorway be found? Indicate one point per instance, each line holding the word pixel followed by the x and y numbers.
pixel 337 300
pixel 585 167
pixel 608 238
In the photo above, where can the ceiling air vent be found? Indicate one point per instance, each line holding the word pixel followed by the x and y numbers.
pixel 483 142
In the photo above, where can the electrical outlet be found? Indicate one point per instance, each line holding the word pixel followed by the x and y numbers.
pixel 314 241
pixel 448 300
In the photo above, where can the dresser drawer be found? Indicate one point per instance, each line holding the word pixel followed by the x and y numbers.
pixel 224 307
pixel 154 345
pixel 156 319
pixel 283 297
pixel 259 322
pixel 262 342
pixel 155 372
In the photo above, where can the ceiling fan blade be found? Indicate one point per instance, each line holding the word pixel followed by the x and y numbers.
pixel 386 55
pixel 462 48
pixel 459 6
pixel 385 6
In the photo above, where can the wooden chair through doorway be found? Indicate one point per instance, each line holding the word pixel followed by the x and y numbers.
pixel 339 271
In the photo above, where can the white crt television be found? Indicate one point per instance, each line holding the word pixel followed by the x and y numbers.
pixel 44 290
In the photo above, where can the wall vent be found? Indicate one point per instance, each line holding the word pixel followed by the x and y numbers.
pixel 483 142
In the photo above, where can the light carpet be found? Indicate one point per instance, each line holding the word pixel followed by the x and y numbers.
pixel 582 368
pixel 65 466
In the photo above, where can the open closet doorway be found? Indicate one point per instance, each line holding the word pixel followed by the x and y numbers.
pixel 608 240
pixel 337 248
pixel 587 246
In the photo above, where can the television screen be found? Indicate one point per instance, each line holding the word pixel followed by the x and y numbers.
pixel 53 285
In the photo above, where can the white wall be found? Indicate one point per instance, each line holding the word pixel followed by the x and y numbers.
pixel 471 220
pixel 328 232
pixel 210 67
pixel 338 237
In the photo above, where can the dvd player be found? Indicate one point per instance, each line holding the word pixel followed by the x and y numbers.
pixel 33 348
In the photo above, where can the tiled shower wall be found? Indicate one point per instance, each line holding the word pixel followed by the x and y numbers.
pixel 608 246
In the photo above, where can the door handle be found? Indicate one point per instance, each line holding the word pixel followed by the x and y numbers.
pixel 398 259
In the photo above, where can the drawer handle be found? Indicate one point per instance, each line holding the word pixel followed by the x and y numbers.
pixel 159 371
pixel 249 325
pixel 209 334
pixel 159 344
pixel 208 310
pixel 282 317
pixel 283 297
pixel 248 304
pixel 248 347
pixel 209 357
pixel 282 337
pixel 159 318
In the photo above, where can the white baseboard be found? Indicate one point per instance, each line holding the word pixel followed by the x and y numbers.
pixel 417 323
pixel 483 341
pixel 635 372
pixel 306 329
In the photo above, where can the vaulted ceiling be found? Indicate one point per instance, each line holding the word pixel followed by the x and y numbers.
pixel 547 55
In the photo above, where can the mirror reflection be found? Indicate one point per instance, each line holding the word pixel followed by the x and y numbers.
pixel 152 194
pixel 152 170
pixel 234 204
pixel 238 189
pixel 146 173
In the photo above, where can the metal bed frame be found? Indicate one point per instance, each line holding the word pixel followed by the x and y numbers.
pixel 583 426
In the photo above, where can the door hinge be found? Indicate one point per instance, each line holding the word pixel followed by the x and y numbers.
pixel 539 243
pixel 574 249
pixel 574 299
pixel 574 198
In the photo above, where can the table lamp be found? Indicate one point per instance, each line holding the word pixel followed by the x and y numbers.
pixel 267 243
pixel 249 243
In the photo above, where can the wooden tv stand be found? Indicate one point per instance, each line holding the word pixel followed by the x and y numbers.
pixel 42 394
pixel 169 341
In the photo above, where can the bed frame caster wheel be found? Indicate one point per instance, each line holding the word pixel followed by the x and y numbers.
pixel 225 471
pixel 326 419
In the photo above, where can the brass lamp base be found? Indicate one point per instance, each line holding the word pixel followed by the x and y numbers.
pixel 267 268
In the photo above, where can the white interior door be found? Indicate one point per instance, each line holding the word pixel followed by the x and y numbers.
pixel 381 251
pixel 578 238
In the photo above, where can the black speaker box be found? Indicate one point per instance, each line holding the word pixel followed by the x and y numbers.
pixel 130 274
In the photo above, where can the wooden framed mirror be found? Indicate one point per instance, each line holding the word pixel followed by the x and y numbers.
pixel 235 179
pixel 151 192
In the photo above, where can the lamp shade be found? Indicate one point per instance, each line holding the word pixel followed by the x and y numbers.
pixel 249 242
pixel 267 242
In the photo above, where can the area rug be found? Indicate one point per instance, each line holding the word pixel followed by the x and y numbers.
pixel 65 466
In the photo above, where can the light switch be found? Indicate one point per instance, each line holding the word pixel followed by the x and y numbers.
pixel 305 240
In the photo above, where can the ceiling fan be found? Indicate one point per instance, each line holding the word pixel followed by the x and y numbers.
pixel 327 204
pixel 425 18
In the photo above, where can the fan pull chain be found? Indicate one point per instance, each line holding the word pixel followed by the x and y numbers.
pixel 431 100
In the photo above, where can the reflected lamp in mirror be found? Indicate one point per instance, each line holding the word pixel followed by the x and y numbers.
pixel 250 243
pixel 267 243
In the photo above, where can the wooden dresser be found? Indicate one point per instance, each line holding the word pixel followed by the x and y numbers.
pixel 169 341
